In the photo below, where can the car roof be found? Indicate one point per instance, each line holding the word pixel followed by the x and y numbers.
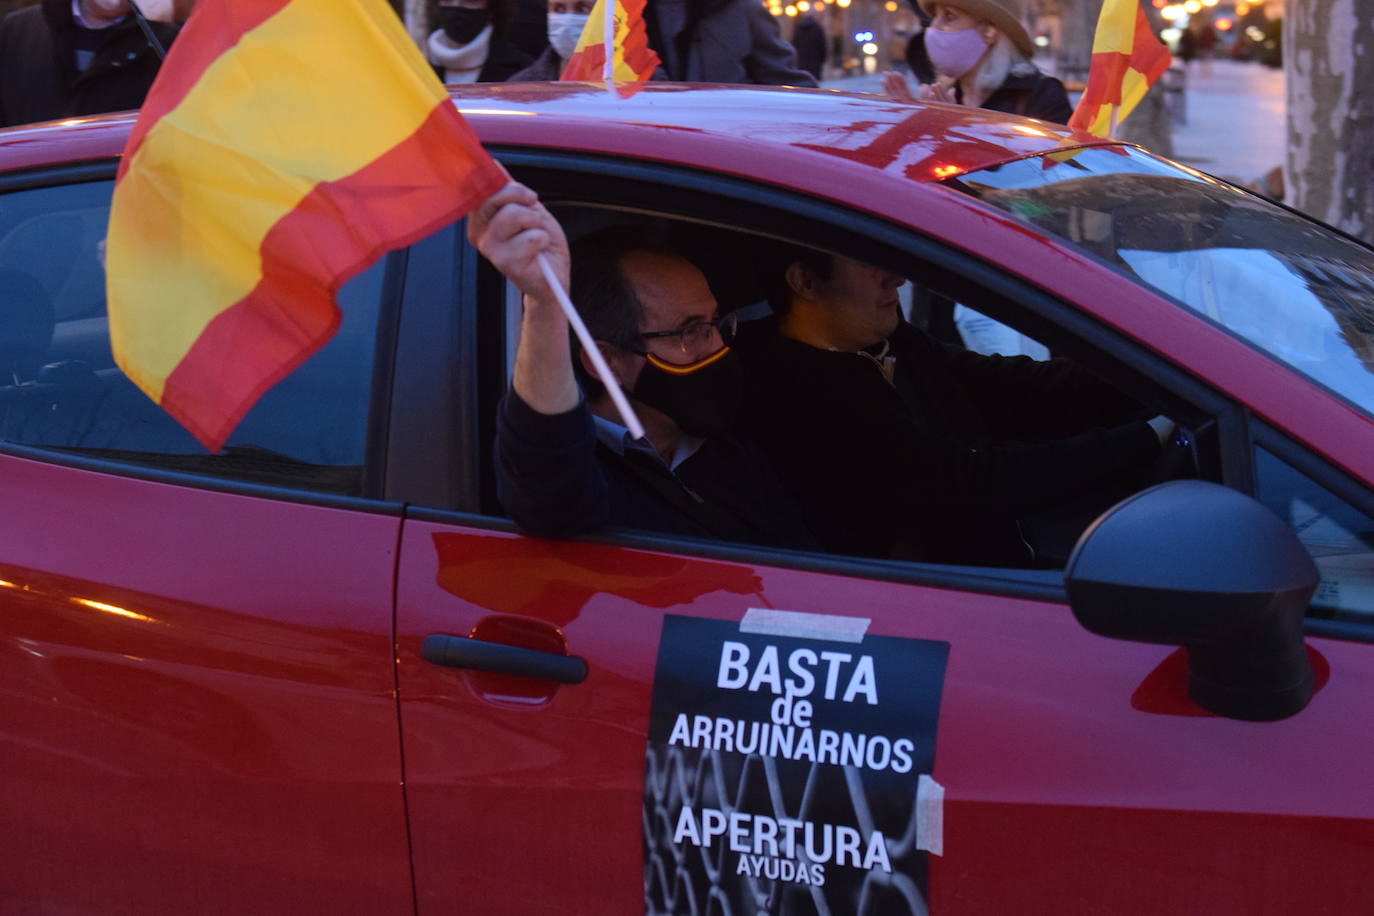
pixel 745 130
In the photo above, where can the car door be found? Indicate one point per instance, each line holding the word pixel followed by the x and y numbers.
pixel 197 710
pixel 637 723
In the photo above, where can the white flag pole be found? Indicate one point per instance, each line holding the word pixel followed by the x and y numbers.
pixel 584 337
pixel 608 25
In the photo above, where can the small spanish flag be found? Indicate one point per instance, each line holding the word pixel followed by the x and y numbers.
pixel 284 147
pixel 1127 60
pixel 629 58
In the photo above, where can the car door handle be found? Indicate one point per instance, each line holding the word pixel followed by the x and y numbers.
pixel 462 652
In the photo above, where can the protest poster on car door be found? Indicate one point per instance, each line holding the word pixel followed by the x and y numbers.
pixel 788 767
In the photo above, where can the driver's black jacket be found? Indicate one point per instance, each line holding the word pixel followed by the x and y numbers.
pixel 939 463
pixel 555 479
pixel 39 76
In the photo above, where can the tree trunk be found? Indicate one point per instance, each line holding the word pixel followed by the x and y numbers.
pixel 1328 61
pixel 1077 23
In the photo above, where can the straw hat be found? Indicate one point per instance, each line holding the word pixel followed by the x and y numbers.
pixel 1005 14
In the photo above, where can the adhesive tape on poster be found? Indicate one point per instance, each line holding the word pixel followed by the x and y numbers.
pixel 930 816
pixel 768 622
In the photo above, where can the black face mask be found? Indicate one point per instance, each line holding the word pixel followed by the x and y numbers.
pixel 462 24
pixel 702 398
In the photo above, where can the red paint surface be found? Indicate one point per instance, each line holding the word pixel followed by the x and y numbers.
pixel 1061 793
pixel 230 747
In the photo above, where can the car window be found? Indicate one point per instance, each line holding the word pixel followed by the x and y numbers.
pixel 1039 532
pixel 1339 537
pixel 1294 289
pixel 62 389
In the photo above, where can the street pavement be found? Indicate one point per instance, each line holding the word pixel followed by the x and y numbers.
pixel 1234 117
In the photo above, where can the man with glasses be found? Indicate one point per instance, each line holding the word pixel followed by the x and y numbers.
pixel 564 464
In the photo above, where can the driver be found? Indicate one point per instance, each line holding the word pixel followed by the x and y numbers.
pixel 900 446
pixel 564 464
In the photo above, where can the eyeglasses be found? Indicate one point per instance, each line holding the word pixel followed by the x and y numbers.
pixel 696 338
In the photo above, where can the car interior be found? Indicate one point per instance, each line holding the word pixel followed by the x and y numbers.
pixel 731 259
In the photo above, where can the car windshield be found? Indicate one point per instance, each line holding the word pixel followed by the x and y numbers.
pixel 1294 289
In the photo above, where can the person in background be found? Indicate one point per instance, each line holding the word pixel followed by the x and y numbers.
pixel 470 44
pixel 809 40
pixel 566 20
pixel 1206 43
pixel 708 41
pixel 981 54
pixel 67 58
pixel 529 30
pixel 1186 49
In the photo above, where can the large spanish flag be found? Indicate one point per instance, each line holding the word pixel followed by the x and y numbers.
pixel 1127 60
pixel 285 145
pixel 630 59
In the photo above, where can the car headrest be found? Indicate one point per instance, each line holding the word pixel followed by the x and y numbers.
pixel 26 321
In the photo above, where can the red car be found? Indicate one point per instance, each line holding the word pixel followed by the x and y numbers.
pixel 321 672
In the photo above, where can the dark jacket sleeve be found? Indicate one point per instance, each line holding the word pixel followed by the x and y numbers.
pixel 545 67
pixel 1034 95
pixel 1049 101
pixel 868 474
pixel 896 463
pixel 872 482
pixel 772 62
pixel 547 475
pixel 1016 397
pixel 31 82
pixel 504 60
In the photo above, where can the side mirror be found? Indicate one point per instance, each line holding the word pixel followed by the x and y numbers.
pixel 1199 565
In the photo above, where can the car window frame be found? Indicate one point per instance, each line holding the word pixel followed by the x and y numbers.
pixel 374 452
pixel 687 193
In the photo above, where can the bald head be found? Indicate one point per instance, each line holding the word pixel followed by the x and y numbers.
pixel 672 293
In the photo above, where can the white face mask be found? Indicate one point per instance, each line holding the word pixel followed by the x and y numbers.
pixel 564 31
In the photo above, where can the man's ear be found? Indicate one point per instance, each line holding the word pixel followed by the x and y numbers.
pixel 624 365
pixel 801 280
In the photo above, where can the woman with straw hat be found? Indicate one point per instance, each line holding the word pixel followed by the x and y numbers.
pixel 981 54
